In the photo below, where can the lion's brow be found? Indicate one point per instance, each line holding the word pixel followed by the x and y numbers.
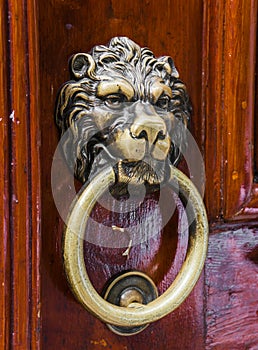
pixel 109 87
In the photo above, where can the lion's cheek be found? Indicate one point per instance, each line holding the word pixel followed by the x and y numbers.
pixel 125 147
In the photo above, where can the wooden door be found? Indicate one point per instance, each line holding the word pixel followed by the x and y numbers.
pixel 213 45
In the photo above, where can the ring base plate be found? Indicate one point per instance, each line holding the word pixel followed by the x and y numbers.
pixel 129 290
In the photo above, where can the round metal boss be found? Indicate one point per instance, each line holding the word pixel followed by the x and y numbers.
pixel 128 290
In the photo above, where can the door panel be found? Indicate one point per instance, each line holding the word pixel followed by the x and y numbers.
pixel 20 185
pixel 213 46
pixel 231 289
pixel 77 27
pixel 229 57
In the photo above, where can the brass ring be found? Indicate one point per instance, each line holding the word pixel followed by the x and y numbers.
pixel 181 286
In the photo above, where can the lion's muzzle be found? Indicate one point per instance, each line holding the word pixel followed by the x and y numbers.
pixel 152 130
pixel 145 137
pixel 142 146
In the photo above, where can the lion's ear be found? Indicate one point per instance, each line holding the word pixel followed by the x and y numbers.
pixel 170 67
pixel 82 65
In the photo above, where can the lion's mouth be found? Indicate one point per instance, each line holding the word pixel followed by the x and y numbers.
pixel 134 172
pixel 145 171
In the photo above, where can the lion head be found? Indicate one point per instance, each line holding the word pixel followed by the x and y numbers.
pixel 123 107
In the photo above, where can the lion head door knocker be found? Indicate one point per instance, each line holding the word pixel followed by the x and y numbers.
pixel 125 115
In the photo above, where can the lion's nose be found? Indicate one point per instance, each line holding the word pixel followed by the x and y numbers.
pixel 150 129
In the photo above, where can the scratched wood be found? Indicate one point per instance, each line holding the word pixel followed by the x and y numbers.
pixel 213 45
pixel 231 281
pixel 66 28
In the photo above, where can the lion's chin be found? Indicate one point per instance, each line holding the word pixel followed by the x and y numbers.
pixel 147 172
pixel 135 173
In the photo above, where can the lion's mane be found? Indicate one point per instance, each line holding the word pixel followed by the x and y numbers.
pixel 77 98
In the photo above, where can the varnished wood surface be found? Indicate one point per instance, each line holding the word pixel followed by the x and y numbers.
pixel 231 289
pixel 160 257
pixel 228 96
pixel 212 102
pixel 20 178
pixel 66 28
pixel 239 95
pixel 213 48
pixel 255 115
pixel 4 190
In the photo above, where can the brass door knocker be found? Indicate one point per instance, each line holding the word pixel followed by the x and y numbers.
pixel 124 115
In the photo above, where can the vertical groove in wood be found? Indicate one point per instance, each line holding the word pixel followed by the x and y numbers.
pixel 4 187
pixel 24 175
pixel 19 180
pixel 33 54
pixel 212 94
pixel 256 116
pixel 256 107
pixel 33 119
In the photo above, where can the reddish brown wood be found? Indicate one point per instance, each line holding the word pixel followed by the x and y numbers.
pixel 19 154
pixel 212 103
pixel 256 114
pixel 239 103
pixel 33 116
pixel 69 27
pixel 19 179
pixel 250 209
pixel 4 189
pixel 214 46
pixel 228 92
pixel 231 289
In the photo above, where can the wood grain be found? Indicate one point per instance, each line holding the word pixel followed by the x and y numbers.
pixel 231 281
pixel 212 101
pixel 4 189
pixel 33 116
pixel 213 45
pixel 66 28
pixel 228 100
pixel 239 64
pixel 256 114
pixel 22 179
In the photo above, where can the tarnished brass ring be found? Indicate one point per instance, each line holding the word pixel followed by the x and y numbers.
pixel 181 286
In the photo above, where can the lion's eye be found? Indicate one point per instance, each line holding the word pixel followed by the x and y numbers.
pixel 163 102
pixel 114 101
